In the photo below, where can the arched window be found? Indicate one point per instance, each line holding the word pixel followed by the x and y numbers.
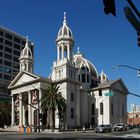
pixel 83 78
pixel 101 108
pixel 100 92
pixel 72 113
pixel 87 78
pixel 123 110
pixel 79 77
pixel 83 68
pixel 72 96
pixel 93 109
pixel 112 111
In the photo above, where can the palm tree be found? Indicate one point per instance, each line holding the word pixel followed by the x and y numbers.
pixel 5 113
pixel 52 100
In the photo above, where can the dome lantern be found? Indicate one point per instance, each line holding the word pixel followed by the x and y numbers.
pixel 26 58
pixel 65 32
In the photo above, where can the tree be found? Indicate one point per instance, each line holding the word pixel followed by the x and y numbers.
pixel 52 100
pixel 5 113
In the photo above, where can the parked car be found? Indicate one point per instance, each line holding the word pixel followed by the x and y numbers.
pixel 103 128
pixel 129 126
pixel 120 127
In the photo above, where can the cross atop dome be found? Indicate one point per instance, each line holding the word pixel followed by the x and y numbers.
pixel 27 38
pixel 78 50
pixel 65 19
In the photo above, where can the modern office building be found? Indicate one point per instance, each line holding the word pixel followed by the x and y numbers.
pixel 11 45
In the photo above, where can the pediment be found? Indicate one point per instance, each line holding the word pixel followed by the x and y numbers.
pixel 23 78
pixel 120 86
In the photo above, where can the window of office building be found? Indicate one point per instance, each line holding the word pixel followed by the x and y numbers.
pixel 1 54
pixel 7 63
pixel 0 75
pixel 15 71
pixel 16 59
pixel 8 56
pixel 1 47
pixel 7 70
pixel 23 43
pixel 8 50
pixel 16 52
pixel 7 77
pixel 1 40
pixel 1 33
pixel 16 39
pixel 9 43
pixel 16 66
pixel 1 68
pixel 17 46
pixel 8 36
pixel 0 61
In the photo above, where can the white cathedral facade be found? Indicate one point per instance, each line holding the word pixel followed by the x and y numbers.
pixel 86 92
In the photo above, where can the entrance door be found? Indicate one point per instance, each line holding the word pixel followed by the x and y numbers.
pixel 35 117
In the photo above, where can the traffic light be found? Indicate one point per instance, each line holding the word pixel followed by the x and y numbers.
pixel 138 34
pixel 109 7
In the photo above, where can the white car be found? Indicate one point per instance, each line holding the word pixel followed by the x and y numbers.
pixel 103 128
pixel 120 127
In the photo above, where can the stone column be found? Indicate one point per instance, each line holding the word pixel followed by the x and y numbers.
pixel 20 110
pixel 68 52
pixel 40 95
pixel 23 115
pixel 62 51
pixel 13 111
pixel 58 53
pixel 29 109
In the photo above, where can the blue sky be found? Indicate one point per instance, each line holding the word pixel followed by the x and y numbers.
pixel 103 39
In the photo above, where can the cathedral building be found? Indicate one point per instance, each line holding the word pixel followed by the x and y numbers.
pixel 91 98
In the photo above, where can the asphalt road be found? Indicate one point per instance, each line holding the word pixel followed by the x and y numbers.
pixel 62 136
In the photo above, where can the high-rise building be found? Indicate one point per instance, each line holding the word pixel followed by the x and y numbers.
pixel 11 45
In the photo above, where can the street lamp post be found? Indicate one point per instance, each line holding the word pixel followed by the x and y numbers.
pixel 126 66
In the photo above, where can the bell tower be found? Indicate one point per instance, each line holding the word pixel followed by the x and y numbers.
pixel 64 42
pixel 64 67
pixel 26 58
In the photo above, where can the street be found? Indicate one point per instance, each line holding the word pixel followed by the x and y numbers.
pixel 69 136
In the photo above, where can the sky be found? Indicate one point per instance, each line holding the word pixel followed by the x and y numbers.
pixel 105 40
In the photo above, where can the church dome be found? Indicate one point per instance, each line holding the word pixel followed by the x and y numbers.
pixel 64 32
pixel 84 64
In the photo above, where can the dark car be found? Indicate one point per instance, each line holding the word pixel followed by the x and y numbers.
pixel 129 126
pixel 103 128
